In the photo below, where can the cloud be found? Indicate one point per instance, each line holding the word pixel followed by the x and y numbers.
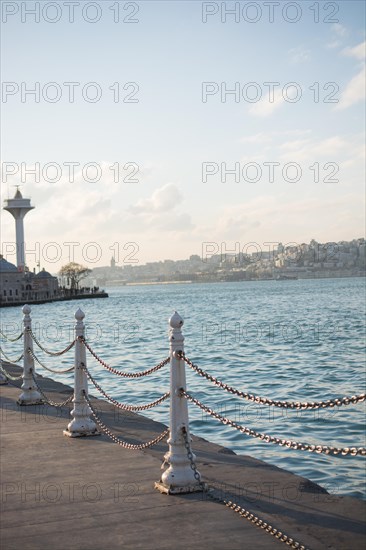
pixel 339 32
pixel 257 138
pixel 162 200
pixel 270 103
pixel 270 136
pixel 268 217
pixel 359 51
pixel 159 213
pixel 354 91
pixel 299 55
pixel 307 150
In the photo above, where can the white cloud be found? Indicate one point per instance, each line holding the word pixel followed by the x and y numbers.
pixel 359 51
pixel 159 213
pixel 162 200
pixel 328 149
pixel 339 33
pixel 257 138
pixel 299 55
pixel 272 135
pixel 354 91
pixel 267 218
pixel 268 104
pixel 334 44
pixel 339 30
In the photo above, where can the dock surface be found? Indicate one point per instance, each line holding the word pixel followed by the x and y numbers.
pixel 91 494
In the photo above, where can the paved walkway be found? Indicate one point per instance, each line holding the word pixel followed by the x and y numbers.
pixel 89 493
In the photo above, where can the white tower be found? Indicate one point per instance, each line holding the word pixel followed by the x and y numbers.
pixel 18 207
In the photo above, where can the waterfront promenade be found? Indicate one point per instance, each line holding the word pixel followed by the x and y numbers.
pixel 89 493
pixel 63 298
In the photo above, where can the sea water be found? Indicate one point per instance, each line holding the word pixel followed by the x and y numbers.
pixel 294 340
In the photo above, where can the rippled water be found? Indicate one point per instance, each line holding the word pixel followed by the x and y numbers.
pixel 289 340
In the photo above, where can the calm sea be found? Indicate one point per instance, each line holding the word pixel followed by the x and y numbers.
pixel 298 340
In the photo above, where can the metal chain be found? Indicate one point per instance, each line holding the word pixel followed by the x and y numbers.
pixel 263 524
pixel 47 400
pixel 196 475
pixel 32 354
pixel 352 451
pixel 10 376
pixel 2 352
pixel 239 509
pixel 54 354
pixel 121 405
pixel 118 372
pixel 119 441
pixel 265 401
pixel 11 339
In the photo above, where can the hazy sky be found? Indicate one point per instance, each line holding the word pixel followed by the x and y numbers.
pixel 148 92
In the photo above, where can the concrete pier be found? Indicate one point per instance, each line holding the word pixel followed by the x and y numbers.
pixel 89 493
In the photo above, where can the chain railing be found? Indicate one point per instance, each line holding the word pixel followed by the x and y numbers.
pixel 335 402
pixel 177 360
pixel 51 353
pixel 46 398
pixel 120 441
pixel 55 371
pixel 352 451
pixel 4 374
pixel 210 491
pixel 10 359
pixel 2 335
pixel 122 406
pixel 182 475
pixel 10 376
pixel 121 373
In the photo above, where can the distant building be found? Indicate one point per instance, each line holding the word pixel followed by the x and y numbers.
pixel 18 207
pixel 18 286
pixel 17 283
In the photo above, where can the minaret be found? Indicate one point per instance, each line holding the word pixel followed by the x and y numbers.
pixel 18 207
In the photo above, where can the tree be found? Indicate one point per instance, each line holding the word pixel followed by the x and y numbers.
pixel 75 273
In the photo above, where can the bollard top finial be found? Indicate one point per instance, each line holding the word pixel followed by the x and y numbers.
pixel 79 315
pixel 176 320
pixel 26 309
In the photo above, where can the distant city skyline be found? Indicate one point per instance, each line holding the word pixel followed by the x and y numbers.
pixel 149 131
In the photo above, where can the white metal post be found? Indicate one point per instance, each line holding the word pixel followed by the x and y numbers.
pixel 30 394
pixel 81 424
pixel 179 477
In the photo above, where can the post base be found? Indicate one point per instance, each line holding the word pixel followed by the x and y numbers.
pixel 24 402
pixel 80 434
pixel 175 490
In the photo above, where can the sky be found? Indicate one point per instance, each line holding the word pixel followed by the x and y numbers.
pixel 156 127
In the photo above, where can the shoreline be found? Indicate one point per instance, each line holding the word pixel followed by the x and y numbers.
pixel 112 284
pixel 56 299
